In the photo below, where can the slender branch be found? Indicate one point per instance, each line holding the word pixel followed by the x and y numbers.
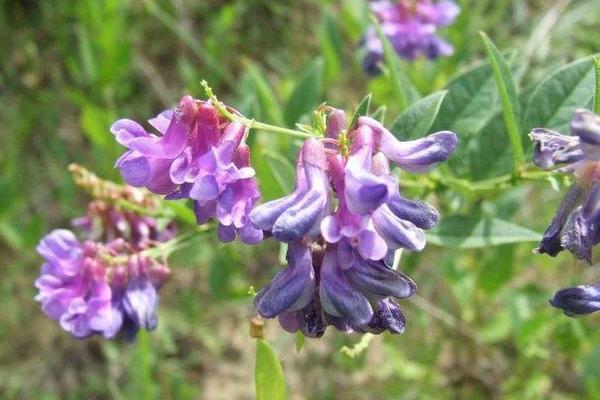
pixel 252 124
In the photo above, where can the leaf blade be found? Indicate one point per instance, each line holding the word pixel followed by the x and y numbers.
pixel 269 378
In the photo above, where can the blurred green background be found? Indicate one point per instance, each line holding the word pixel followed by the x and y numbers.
pixel 481 326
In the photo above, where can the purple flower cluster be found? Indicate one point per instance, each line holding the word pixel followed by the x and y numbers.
pixel 411 27
pixel 195 155
pixel 343 224
pixel 104 222
pixel 576 225
pixel 94 288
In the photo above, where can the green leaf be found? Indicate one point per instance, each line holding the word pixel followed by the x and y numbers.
pixel 271 109
pixel 496 269
pixel 269 378
pixel 283 171
pixel 405 90
pixel 418 118
pixel 379 114
pixel 475 231
pixel 331 47
pixel 597 87
pixel 508 97
pixel 555 99
pixel 306 95
pixel 489 153
pixel 362 109
pixel 470 103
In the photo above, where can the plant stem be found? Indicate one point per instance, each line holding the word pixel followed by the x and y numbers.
pixel 597 93
pixel 250 123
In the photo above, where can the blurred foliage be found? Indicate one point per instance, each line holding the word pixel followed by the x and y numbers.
pixel 481 326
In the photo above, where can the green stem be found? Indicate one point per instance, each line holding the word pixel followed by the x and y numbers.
pixel 250 123
pixel 597 94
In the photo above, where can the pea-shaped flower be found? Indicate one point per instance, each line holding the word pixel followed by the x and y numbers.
pixel 342 225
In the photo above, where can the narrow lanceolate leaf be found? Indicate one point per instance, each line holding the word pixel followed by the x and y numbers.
pixel 270 107
pixel 379 114
pixel 418 118
pixel 476 231
pixel 405 91
pixel 307 92
pixel 597 92
pixel 362 109
pixel 269 378
pixel 555 99
pixel 283 171
pixel 508 97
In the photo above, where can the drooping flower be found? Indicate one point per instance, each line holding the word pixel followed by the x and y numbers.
pixel 343 224
pixel 196 155
pixel 411 28
pixel 98 288
pixel 578 300
pixel 576 225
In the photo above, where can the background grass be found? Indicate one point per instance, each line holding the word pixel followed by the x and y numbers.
pixel 481 326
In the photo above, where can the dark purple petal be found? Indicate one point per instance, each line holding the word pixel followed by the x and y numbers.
pixel 586 125
pixel 226 233
pixel 205 189
pixel 311 320
pixel 552 148
pixel 418 212
pixel 551 241
pixel 303 217
pixel 397 233
pixel 387 316
pixel 364 191
pixel 264 216
pixel 140 302
pixel 578 300
pixel 292 288
pixel 338 297
pixel 377 280
pixel 250 235
pixel 576 236
pixel 419 155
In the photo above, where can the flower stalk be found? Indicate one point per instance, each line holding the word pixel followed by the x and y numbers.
pixel 250 123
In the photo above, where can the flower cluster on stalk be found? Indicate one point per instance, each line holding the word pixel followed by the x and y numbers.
pixel 410 26
pixel 196 154
pixel 576 224
pixel 343 224
pixel 106 283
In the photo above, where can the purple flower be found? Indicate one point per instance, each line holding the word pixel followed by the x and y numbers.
pixel 196 155
pixel 342 225
pixel 575 226
pixel 316 289
pixel 84 291
pixel 411 28
pixel 578 300
pixel 301 212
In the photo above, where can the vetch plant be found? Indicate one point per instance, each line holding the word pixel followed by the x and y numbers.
pixel 352 203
